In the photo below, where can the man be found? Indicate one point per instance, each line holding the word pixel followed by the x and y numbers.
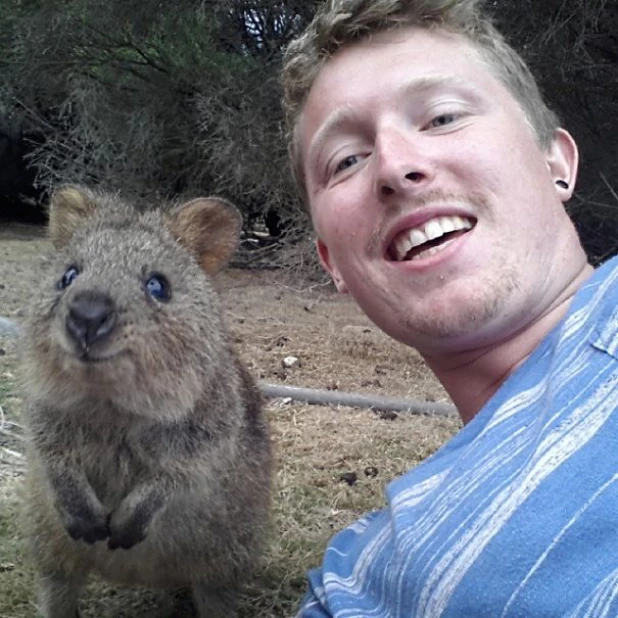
pixel 435 177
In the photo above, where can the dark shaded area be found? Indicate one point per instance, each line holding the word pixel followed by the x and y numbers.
pixel 19 198
pixel 16 210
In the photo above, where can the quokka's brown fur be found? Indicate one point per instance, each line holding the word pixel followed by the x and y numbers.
pixel 150 460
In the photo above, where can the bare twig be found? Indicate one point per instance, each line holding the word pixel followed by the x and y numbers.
pixel 609 186
pixel 3 449
pixel 6 426
pixel 14 454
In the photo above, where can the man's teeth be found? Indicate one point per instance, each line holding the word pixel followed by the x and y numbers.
pixel 434 228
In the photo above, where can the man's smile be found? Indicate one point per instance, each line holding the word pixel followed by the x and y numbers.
pixel 428 238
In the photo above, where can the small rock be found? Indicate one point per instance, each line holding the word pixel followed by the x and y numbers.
pixel 291 362
pixel 371 471
pixel 349 477
pixel 2 352
pixel 8 327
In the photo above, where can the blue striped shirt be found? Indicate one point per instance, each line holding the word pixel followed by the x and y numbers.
pixel 517 515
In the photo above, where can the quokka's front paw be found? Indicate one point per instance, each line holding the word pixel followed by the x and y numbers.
pixel 88 526
pixel 126 529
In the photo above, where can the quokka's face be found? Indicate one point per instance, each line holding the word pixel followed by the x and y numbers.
pixel 125 308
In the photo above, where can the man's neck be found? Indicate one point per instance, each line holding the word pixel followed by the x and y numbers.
pixel 472 377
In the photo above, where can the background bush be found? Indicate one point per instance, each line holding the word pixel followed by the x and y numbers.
pixel 160 99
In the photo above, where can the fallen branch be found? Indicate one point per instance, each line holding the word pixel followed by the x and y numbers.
pixel 336 398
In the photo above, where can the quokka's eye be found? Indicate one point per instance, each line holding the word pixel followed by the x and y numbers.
pixel 159 288
pixel 69 276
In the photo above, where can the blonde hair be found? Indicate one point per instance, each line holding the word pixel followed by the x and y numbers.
pixel 340 22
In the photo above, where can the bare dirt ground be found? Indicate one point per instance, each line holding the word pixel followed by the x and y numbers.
pixel 271 316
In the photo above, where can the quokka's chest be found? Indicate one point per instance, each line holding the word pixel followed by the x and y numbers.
pixel 114 464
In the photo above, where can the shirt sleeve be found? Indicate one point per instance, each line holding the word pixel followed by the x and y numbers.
pixel 314 603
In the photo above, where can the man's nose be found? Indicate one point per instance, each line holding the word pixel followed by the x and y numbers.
pixel 401 166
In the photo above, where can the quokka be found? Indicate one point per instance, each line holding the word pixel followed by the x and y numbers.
pixel 149 455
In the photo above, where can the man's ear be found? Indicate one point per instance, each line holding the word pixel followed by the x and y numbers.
pixel 325 260
pixel 563 162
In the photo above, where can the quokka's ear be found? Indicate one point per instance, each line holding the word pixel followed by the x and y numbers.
pixel 68 208
pixel 210 229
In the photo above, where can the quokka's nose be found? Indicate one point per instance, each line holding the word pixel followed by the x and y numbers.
pixel 92 317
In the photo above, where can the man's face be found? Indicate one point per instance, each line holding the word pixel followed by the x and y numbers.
pixel 433 203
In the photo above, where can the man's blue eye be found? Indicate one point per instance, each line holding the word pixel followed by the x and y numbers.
pixel 345 163
pixel 159 288
pixel 69 276
pixel 442 120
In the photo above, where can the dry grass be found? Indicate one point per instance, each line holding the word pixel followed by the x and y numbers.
pixel 338 349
